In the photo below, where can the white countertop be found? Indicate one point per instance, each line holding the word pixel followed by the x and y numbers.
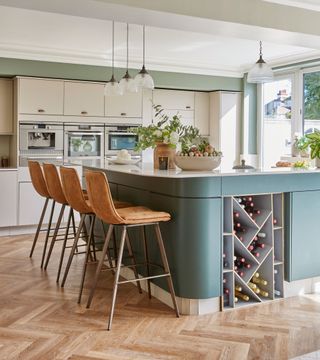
pixel 146 169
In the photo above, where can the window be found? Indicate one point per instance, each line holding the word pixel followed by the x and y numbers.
pixel 277 120
pixel 311 101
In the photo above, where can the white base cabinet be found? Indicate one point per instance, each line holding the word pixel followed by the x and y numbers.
pixel 8 203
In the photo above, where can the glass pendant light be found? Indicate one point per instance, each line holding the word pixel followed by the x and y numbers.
pixel 127 83
pixel 112 87
pixel 143 79
pixel 261 71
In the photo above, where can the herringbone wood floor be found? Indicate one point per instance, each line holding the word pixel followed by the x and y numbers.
pixel 38 320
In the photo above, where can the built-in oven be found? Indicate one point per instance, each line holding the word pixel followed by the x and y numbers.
pixel 40 141
pixel 120 137
pixel 83 141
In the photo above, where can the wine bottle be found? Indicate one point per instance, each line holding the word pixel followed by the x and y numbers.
pixel 236 299
pixel 256 275
pixel 275 271
pixel 261 235
pixel 224 280
pixel 256 290
pixel 264 293
pixel 238 288
pixel 226 291
pixel 239 200
pixel 275 221
pixel 237 225
pixel 224 255
pixel 252 285
pixel 242 296
pixel 257 211
pixel 259 281
pixel 236 214
pixel 251 247
pixel 255 253
pixel 240 259
pixel 225 264
pixel 240 273
pixel 277 292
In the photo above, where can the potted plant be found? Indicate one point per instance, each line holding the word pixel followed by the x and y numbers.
pixel 302 146
pixel 313 142
pixel 164 136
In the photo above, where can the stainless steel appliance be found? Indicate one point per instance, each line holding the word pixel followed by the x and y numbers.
pixel 118 138
pixel 40 141
pixel 83 140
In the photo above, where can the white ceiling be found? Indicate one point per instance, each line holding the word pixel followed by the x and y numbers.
pixel 38 35
pixel 304 4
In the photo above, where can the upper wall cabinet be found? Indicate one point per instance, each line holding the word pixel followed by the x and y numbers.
pixel 127 105
pixel 41 96
pixel 83 98
pixel 174 99
pixel 202 112
pixel 6 106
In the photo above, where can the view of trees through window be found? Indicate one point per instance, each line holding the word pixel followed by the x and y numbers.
pixel 311 93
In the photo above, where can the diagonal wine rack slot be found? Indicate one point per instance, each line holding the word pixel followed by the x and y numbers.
pixel 245 289
pixel 262 244
pixel 265 281
pixel 245 263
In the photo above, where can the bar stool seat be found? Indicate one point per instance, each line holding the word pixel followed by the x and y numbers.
pixel 142 215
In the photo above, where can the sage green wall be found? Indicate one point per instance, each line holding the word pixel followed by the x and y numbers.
pixel 13 67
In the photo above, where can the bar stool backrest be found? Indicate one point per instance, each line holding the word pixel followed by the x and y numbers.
pixel 54 183
pixel 37 178
pixel 72 190
pixel 100 197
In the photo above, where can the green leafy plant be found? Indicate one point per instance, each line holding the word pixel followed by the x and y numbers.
pixel 313 142
pixel 301 143
pixel 167 130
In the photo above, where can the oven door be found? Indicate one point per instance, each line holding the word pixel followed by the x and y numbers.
pixel 79 144
pixel 116 141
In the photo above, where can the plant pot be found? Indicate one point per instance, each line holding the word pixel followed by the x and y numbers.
pixel 164 150
pixel 317 162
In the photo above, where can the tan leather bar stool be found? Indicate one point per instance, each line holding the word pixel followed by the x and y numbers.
pixel 102 204
pixel 39 184
pixel 55 190
pixel 73 193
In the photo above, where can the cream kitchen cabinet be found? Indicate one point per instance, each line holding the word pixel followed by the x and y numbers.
pixel 202 112
pixel 126 105
pixel 186 116
pixel 174 99
pixel 83 98
pixel 40 96
pixel 225 123
pixel 6 106
pixel 8 203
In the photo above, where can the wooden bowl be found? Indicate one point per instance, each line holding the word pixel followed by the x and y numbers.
pixel 195 163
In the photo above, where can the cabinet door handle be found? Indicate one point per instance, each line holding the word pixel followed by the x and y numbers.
pixel 84 112
pixel 123 114
pixel 40 110
pixel 188 107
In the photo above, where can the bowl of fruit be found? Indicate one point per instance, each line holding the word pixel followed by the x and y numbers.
pixel 202 157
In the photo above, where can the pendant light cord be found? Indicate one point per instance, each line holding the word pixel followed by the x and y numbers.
pixel 127 47
pixel 144 45
pixel 112 48
pixel 261 49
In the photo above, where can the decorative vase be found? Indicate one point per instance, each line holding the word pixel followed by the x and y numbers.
pixel 164 150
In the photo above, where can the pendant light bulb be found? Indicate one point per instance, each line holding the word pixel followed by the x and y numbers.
pixel 261 72
pixel 143 79
pixel 127 83
pixel 112 87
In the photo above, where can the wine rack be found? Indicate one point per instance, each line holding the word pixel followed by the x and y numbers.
pixel 252 249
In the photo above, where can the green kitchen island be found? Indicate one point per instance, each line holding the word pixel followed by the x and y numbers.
pixel 200 237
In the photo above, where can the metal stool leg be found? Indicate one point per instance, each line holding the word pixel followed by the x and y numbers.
pixel 146 257
pixel 133 260
pixel 88 250
pixel 115 249
pixel 74 246
pixel 48 233
pixel 108 251
pixel 166 267
pixel 63 249
pixel 53 240
pixel 116 279
pixel 99 267
pixel 74 228
pixel 39 226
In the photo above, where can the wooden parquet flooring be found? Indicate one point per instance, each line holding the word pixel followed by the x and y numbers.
pixel 39 320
